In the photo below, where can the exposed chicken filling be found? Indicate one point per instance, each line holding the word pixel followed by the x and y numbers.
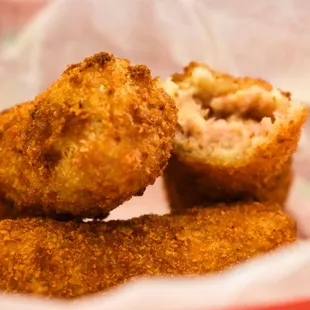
pixel 229 121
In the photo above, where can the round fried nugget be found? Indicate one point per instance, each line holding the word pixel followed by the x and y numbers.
pixel 234 135
pixel 96 137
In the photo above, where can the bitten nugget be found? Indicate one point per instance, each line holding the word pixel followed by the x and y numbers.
pixel 67 259
pixel 234 135
pixel 99 135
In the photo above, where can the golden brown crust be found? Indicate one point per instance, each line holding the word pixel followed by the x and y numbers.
pixel 279 189
pixel 97 136
pixel 7 210
pixel 46 257
pixel 187 187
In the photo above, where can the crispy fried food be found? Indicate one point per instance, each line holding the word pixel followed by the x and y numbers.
pixel 185 190
pixel 234 135
pixel 99 135
pixel 7 210
pixel 278 190
pixel 67 259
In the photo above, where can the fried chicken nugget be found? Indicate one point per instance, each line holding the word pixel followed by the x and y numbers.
pixel 234 135
pixel 96 137
pixel 67 259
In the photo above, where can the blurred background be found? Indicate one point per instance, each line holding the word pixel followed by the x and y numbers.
pixel 15 13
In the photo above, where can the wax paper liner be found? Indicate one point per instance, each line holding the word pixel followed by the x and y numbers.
pixel 264 39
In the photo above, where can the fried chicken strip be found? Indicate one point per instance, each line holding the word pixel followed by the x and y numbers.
pixel 96 137
pixel 67 259
pixel 234 136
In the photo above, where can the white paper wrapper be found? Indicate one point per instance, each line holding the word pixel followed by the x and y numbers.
pixel 267 39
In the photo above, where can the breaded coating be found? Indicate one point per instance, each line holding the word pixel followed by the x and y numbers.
pixel 278 190
pixel 67 259
pixel 185 190
pixel 234 135
pixel 7 210
pixel 96 137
